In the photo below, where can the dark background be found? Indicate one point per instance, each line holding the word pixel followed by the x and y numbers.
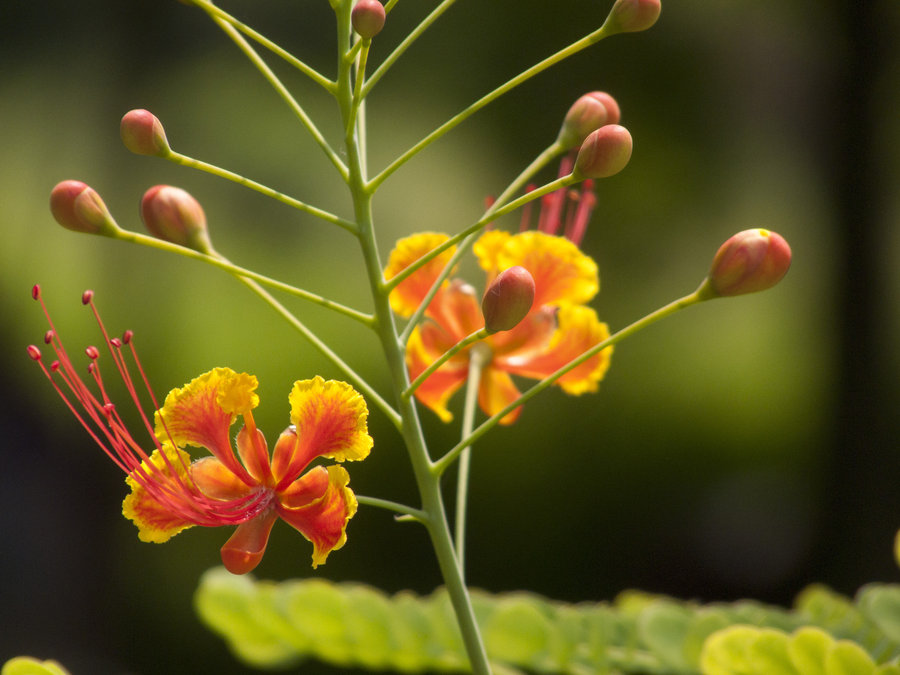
pixel 747 447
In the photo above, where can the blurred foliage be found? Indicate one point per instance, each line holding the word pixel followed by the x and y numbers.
pixel 712 461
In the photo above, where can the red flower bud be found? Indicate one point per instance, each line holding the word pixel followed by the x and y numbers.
pixel 143 134
pixel 604 153
pixel 171 214
pixel 508 299
pixel 589 112
pixel 631 16
pixel 367 18
pixel 77 206
pixel 750 261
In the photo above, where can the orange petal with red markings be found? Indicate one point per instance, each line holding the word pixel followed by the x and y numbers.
pixel 324 520
pixel 216 480
pixel 201 413
pixel 579 330
pixel 329 420
pixel 435 391
pixel 409 293
pixel 153 504
pixel 562 273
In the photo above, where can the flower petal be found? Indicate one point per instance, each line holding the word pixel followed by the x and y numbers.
pixel 495 392
pixel 216 480
pixel 409 293
pixel 308 488
pixel 487 249
pixel 457 310
pixel 329 420
pixel 562 273
pixel 153 504
pixel 435 391
pixel 324 521
pixel 201 413
pixel 579 330
pixel 245 548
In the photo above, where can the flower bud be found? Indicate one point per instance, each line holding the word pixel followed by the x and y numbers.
pixel 77 206
pixel 604 153
pixel 750 261
pixel 589 112
pixel 367 18
pixel 631 16
pixel 508 299
pixel 171 214
pixel 143 134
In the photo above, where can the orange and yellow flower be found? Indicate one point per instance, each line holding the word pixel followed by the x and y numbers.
pixel 559 327
pixel 171 491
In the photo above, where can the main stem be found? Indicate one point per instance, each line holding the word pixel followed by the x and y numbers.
pixel 427 479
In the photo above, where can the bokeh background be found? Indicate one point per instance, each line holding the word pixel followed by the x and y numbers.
pixel 746 447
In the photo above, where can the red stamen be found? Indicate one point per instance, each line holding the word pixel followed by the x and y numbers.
pixel 34 353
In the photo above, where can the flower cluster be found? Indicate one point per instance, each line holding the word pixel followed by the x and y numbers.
pixel 558 328
pixel 171 491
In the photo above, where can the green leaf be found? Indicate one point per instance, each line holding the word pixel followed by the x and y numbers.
pixel 25 665
pixel 881 605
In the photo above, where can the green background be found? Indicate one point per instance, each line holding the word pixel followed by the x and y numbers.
pixel 746 447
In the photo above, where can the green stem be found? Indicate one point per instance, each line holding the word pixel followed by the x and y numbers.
pixel 184 160
pixel 525 75
pixel 402 509
pixel 222 263
pixel 443 358
pixel 216 12
pixel 405 44
pixel 327 352
pixel 286 96
pixel 433 511
pixel 477 359
pixel 444 462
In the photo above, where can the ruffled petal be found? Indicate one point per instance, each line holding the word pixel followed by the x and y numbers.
pixel 435 391
pixel 324 520
pixel 408 295
pixel 245 548
pixel 329 420
pixel 579 330
pixel 495 392
pixel 201 413
pixel 562 273
pixel 157 503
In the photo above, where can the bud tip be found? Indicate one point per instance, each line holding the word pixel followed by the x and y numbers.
pixel 508 299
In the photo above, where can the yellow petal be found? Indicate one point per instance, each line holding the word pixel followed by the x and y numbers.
pixel 562 273
pixel 156 511
pixel 330 418
pixel 409 293
pixel 487 249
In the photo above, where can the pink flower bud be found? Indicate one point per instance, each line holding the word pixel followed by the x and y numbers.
pixel 367 18
pixel 750 261
pixel 589 112
pixel 171 214
pixel 631 16
pixel 143 134
pixel 77 206
pixel 508 299
pixel 604 153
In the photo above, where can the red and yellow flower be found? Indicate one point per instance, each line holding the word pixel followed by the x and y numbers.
pixel 559 327
pixel 250 488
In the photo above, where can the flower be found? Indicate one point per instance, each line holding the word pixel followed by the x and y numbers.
pixel 557 329
pixel 172 491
